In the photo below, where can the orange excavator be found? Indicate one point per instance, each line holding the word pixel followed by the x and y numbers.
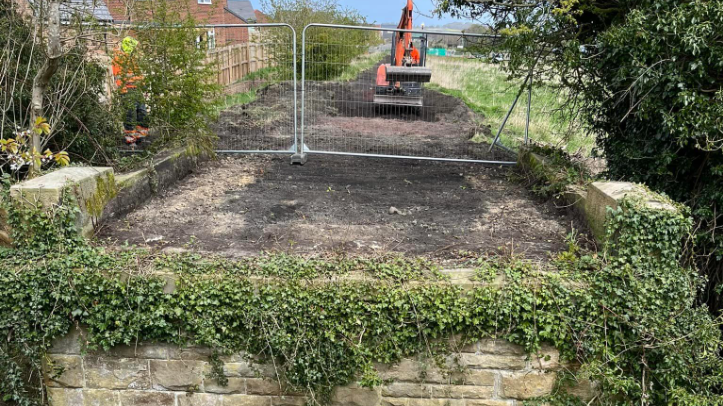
pixel 400 82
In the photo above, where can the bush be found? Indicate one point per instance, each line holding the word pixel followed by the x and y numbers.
pixel 178 84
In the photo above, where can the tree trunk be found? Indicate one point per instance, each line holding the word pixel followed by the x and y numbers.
pixel 46 72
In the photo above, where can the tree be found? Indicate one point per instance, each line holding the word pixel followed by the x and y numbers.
pixel 47 77
pixel 328 51
pixel 646 77
pixel 178 82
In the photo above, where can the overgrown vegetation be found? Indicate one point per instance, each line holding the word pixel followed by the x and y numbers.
pixel 77 121
pixel 645 77
pixel 485 87
pixel 628 314
pixel 176 78
pixel 328 51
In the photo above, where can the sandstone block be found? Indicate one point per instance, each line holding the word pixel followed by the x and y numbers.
pixel 258 386
pixel 198 399
pixel 246 400
pixel 116 373
pixel 177 375
pixel 145 351
pixel 65 397
pixel 189 353
pixel 407 390
pixel 235 386
pixel 288 401
pixel 489 402
pixel 69 344
pixel 528 385
pixel 142 398
pixel 489 361
pixel 462 392
pixel 98 397
pixel 356 397
pixel 500 347
pixel 92 187
pixel 64 371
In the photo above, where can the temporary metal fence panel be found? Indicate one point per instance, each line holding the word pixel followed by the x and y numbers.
pixel 257 73
pixel 346 109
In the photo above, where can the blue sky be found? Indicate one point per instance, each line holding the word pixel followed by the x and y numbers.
pixel 387 11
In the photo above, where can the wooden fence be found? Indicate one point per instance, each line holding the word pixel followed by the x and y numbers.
pixel 234 62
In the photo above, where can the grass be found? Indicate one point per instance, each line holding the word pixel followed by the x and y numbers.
pixel 359 65
pixel 485 89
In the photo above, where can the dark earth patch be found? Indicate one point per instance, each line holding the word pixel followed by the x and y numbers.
pixel 246 205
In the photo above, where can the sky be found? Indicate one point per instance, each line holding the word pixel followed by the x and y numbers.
pixel 389 11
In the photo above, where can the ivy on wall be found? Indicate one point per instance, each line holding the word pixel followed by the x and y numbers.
pixel 626 314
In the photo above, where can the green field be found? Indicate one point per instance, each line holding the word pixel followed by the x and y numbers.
pixel 485 89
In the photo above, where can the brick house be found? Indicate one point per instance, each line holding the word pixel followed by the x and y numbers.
pixel 205 12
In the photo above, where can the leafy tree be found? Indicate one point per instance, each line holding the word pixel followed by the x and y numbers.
pixel 646 77
pixel 328 51
pixel 177 82
pixel 68 100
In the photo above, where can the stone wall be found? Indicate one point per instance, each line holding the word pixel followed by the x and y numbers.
pixel 487 373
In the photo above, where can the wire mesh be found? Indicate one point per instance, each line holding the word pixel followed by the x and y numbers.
pixel 256 71
pixel 355 103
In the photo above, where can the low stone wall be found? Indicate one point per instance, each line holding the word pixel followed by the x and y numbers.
pixel 592 201
pixel 487 373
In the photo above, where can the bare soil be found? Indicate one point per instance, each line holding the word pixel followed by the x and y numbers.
pixel 342 117
pixel 249 204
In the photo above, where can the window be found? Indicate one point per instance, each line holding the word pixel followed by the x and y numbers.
pixel 204 1
pixel 211 38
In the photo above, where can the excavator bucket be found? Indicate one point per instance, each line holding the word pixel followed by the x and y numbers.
pixel 418 74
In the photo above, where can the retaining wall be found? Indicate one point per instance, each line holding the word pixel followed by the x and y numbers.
pixel 487 373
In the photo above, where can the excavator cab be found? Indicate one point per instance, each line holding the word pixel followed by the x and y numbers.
pixel 400 82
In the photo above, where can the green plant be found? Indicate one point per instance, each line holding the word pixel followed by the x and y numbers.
pixel 627 316
pixel 177 82
pixel 645 78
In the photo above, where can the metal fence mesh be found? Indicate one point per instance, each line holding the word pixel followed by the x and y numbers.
pixel 345 111
pixel 256 71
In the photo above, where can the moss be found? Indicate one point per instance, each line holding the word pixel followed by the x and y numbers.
pixel 106 189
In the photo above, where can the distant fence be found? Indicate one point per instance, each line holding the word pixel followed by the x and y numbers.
pixel 235 62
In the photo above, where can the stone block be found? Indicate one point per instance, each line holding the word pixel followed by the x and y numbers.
pixel 259 386
pixel 235 386
pixel 189 353
pixel 491 361
pixel 248 370
pixel 144 398
pixel 64 371
pixel 547 359
pixel 246 400
pixel 65 397
pixel 408 370
pixel 68 344
pixel 198 399
pixel 92 187
pixel 601 195
pixel 462 392
pixel 116 373
pixel 489 402
pixel 355 396
pixel 500 347
pixel 528 385
pixel 407 390
pixel 96 397
pixel 145 351
pixel 177 375
pixel 394 402
pixel 288 401
pixel 435 402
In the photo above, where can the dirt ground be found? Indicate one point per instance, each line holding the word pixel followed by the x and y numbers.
pixel 342 117
pixel 249 204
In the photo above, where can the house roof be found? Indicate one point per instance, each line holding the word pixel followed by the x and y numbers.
pixel 242 9
pixel 85 9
